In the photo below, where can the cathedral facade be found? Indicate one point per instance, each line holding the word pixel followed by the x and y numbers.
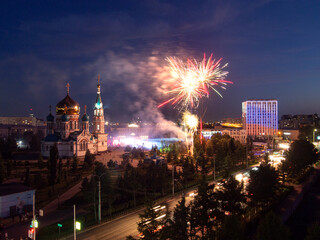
pixel 71 133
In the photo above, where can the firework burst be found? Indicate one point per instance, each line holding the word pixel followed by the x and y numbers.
pixel 190 121
pixel 192 80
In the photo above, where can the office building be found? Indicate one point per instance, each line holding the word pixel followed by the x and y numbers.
pixel 260 118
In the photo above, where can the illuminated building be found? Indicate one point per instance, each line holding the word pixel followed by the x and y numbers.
pixel 298 121
pixel 237 134
pixel 16 126
pixel 31 121
pixel 71 137
pixel 260 118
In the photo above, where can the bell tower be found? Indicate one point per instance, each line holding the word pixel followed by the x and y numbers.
pixel 98 114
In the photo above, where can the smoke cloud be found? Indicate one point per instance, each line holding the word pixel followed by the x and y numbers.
pixel 137 84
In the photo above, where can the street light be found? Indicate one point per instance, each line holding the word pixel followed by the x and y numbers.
pixel 314 132
pixel 99 206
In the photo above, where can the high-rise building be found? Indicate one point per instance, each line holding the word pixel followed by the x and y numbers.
pixel 260 117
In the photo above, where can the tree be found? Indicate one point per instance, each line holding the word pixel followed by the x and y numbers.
pixel 130 181
pixel 74 163
pixel 40 161
pixel 231 197
pixel 60 165
pixel 89 159
pixel 300 155
pixel 27 177
pixel 111 164
pixel 263 184
pixel 179 225
pixel 52 165
pixel 9 167
pixel 68 163
pixel 232 229
pixel 204 212
pixel 127 149
pixel 8 147
pixel 2 170
pixel 306 133
pixel 35 143
pixel 313 232
pixel 107 195
pixel 271 228
pixel 150 222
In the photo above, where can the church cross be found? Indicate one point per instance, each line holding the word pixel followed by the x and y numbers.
pixel 68 86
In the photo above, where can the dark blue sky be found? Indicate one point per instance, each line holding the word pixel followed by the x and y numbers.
pixel 272 48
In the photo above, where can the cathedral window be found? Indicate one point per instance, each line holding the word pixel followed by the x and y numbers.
pixel 98 127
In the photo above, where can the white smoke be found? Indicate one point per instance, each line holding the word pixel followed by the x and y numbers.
pixel 143 79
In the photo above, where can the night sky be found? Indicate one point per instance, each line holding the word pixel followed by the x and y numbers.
pixel 272 48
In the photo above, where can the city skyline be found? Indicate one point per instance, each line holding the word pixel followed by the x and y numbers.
pixel 271 47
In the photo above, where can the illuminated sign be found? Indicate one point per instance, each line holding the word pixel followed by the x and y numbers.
pixel 78 225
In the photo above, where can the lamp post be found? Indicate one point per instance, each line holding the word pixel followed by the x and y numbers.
pixel 99 204
pixel 74 223
pixel 314 133
pixel 34 216
pixel 172 180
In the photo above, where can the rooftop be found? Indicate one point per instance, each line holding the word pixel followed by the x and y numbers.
pixel 11 188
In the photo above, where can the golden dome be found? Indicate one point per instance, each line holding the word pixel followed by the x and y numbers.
pixel 69 105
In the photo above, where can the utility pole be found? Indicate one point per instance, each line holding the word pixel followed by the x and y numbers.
pixel 247 152
pixel 74 223
pixel 99 207
pixel 172 180
pixel 99 196
pixel 214 168
pixel 34 216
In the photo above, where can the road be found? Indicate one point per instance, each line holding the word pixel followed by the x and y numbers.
pixel 123 226
pixel 126 225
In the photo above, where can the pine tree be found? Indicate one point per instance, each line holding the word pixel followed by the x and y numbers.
pixel 150 223
pixel 74 163
pixel 2 170
pixel 9 167
pixel 263 184
pixel 313 232
pixel 179 226
pixel 40 161
pixel 52 165
pixel 271 228
pixel 204 212
pixel 88 159
pixel 232 229
pixel 231 197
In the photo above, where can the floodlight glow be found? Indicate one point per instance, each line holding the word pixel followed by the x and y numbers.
pixel 78 225
pixel 239 177
pixel 133 125
pixel 284 145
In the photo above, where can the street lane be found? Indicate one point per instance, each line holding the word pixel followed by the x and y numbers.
pixel 126 225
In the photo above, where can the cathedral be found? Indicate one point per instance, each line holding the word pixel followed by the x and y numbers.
pixel 70 133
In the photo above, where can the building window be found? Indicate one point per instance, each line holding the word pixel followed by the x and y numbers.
pixel 98 127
